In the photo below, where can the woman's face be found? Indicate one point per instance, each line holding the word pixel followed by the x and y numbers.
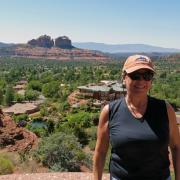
pixel 138 82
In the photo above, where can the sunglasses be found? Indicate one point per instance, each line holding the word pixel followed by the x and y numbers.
pixel 147 76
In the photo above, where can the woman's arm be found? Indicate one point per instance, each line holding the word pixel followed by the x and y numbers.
pixel 102 144
pixel 174 141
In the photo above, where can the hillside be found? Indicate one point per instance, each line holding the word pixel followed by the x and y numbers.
pixel 124 48
pixel 3 45
pixel 53 53
pixel 47 48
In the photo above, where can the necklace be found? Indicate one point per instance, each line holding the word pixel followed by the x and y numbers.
pixel 137 112
pixel 136 115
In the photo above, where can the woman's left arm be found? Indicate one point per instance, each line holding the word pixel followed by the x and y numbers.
pixel 174 140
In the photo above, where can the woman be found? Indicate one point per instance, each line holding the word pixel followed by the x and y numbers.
pixel 139 128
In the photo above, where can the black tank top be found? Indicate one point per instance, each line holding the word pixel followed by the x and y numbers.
pixel 139 146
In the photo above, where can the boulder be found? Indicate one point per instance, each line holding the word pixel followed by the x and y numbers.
pixel 15 138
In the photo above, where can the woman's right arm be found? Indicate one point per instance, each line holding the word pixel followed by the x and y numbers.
pixel 102 144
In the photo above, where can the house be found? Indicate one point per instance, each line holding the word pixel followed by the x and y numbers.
pixel 105 90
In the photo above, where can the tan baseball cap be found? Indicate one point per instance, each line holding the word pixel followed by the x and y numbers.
pixel 136 62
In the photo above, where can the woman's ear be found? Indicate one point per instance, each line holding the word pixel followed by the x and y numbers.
pixel 123 83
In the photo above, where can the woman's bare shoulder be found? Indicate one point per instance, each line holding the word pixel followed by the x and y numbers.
pixel 104 116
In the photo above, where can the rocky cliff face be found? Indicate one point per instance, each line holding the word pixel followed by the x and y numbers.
pixel 46 42
pixel 63 42
pixel 43 41
pixel 15 138
pixel 73 54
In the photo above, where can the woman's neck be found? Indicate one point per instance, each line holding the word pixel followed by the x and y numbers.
pixel 137 105
pixel 136 101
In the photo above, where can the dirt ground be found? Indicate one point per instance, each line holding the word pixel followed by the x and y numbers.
pixel 52 176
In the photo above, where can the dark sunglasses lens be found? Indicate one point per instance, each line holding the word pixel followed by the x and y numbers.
pixel 137 76
pixel 148 76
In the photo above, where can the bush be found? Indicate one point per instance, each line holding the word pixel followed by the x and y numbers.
pixel 35 85
pixel 61 152
pixel 92 145
pixel 19 98
pixel 81 135
pixel 31 95
pixel 81 119
pixel 92 132
pixel 95 119
pixel 40 132
pixel 20 117
pixel 92 136
pixel 6 166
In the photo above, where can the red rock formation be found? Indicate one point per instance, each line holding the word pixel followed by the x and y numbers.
pixel 44 47
pixel 72 99
pixel 42 41
pixel 63 42
pixel 15 138
pixel 58 54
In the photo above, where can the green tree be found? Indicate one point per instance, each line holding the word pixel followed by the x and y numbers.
pixel 35 85
pixel 1 96
pixel 51 89
pixel 9 95
pixel 31 95
pixel 19 97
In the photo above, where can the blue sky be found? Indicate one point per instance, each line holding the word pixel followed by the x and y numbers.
pixel 154 22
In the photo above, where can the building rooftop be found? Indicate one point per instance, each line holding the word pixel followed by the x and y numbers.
pixel 106 87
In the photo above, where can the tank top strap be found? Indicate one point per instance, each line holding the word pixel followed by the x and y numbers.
pixel 114 107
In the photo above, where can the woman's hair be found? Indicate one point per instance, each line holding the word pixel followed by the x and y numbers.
pixel 123 74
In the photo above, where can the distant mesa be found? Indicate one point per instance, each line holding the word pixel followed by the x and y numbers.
pixel 47 42
pixel 60 48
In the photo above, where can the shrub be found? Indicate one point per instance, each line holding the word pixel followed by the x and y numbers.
pixel 92 145
pixel 6 166
pixel 35 85
pixel 80 119
pixel 21 117
pixel 92 135
pixel 40 132
pixel 92 132
pixel 31 95
pixel 61 152
pixel 81 135
pixel 19 97
pixel 95 119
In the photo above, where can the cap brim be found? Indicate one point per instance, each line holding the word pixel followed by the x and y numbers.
pixel 135 68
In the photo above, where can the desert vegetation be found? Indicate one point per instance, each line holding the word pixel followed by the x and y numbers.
pixel 67 135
